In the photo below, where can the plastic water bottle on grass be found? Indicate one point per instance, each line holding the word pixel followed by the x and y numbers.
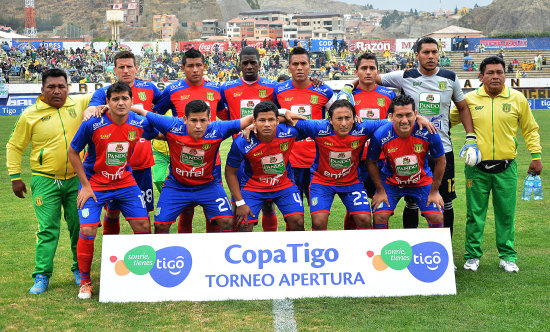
pixel 537 188
pixel 528 187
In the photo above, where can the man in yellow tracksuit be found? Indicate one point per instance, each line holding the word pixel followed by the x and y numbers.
pixel 49 125
pixel 497 113
pixel 162 160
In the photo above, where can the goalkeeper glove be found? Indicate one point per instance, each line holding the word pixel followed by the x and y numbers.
pixel 470 150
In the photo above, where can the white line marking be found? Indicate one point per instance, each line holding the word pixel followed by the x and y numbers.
pixel 283 316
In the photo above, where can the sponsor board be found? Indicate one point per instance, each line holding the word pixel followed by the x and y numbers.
pixel 362 263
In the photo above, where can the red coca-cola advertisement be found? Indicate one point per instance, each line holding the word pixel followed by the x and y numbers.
pixel 207 46
pixel 375 45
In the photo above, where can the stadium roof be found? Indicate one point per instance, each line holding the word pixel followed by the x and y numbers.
pixel 453 31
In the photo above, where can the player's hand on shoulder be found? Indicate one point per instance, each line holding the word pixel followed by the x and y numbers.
pixel 425 123
pixel 94 111
pixel 246 132
pixel 291 117
pixel 19 188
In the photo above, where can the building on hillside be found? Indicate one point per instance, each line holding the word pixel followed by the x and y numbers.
pixel 132 10
pixel 250 28
pixel 314 21
pixel 165 26
pixel 210 28
pixel 358 29
pixel 290 32
pixel 265 15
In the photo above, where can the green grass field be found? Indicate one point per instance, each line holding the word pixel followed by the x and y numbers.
pixel 486 300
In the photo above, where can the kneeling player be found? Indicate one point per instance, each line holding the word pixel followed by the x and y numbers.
pixel 265 170
pixel 406 172
pixel 106 175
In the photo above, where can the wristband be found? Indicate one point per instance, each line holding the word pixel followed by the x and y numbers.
pixel 282 111
pixel 240 203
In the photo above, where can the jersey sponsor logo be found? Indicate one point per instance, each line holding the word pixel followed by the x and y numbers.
pixel 255 154
pixel 104 136
pixel 247 106
pixel 478 108
pixel 283 146
pixel 190 156
pixel 429 103
pixel 303 110
pixel 237 94
pixel 46 118
pixel 314 100
pixel 211 135
pixel 442 85
pixel 274 164
pixel 354 144
pixel 142 96
pixel 370 113
pixel 287 133
pixel 324 132
pixel 132 135
pixel 321 89
pixel 406 165
pixel 288 98
pixel 386 139
pixel 193 173
pixel 506 108
pixel 136 123
pixel 381 102
pixel 99 124
pixel 140 84
pixel 421 133
pixel 206 146
pixel 262 93
pixel 357 132
pixel 210 96
pixel 185 96
pixel 391 150
pixel 418 147
pixel 117 153
pixel 175 86
pixel 417 83
pixel 72 112
pixel 340 159
pixel 38 201
pixel 177 130
pixel 328 143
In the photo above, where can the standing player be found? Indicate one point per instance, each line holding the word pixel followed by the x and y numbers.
pixel 241 96
pixel 371 103
pixel 406 172
pixel 177 95
pixel 301 97
pixel 194 143
pixel 106 174
pixel 265 175
pixel 433 88
pixel 145 94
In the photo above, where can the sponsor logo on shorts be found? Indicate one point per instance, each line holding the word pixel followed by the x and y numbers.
pixel 314 201
pixel 426 261
pixel 85 213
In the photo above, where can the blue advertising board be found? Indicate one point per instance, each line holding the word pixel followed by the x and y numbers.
pixel 535 43
pixel 23 46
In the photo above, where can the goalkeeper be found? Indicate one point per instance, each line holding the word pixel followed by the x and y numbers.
pixel 497 111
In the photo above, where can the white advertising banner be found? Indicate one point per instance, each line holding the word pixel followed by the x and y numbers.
pixel 405 45
pixel 260 266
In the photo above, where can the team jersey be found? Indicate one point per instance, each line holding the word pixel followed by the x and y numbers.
pixel 241 97
pixel 406 158
pixel 192 160
pixel 178 94
pixel 144 94
pixel 432 96
pixel 110 147
pixel 265 167
pixel 372 105
pixel 311 102
pixel 336 158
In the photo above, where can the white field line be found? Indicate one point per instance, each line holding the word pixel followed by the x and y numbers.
pixel 283 316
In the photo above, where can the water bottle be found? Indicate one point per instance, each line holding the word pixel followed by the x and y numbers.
pixel 528 187
pixel 537 188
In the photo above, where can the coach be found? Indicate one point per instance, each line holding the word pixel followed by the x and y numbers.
pixel 49 125
pixel 497 113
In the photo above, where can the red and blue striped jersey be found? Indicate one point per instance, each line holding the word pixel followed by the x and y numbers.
pixel 146 94
pixel 265 163
pixel 178 94
pixel 192 160
pixel 336 158
pixel 311 102
pixel 110 147
pixel 241 97
pixel 406 158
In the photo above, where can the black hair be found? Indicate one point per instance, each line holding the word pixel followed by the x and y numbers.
pixel 54 72
pixel 196 106
pixel 119 86
pixel 264 107
pixel 401 100
pixel 425 40
pixel 341 103
pixel 491 60
pixel 249 50
pixel 191 54
pixel 283 78
pixel 125 55
pixel 297 51
pixel 366 56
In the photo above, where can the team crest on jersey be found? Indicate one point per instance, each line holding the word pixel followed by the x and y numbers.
pixel 210 96
pixel 206 146
pixel 354 144
pixel 38 201
pixel 262 93
pixel 142 96
pixel 357 102
pixel 442 85
pixel 381 102
pixel 131 136
pixel 72 112
pixel 418 147
pixel 284 146
pixel 85 212
pixel 314 100
pixel 506 108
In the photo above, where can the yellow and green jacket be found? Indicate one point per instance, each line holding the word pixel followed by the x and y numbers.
pixel 160 145
pixel 496 123
pixel 50 131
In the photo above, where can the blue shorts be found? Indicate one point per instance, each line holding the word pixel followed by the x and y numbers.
pixel 144 181
pixel 418 194
pixel 287 200
pixel 302 179
pixel 175 198
pixel 354 198
pixel 129 200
